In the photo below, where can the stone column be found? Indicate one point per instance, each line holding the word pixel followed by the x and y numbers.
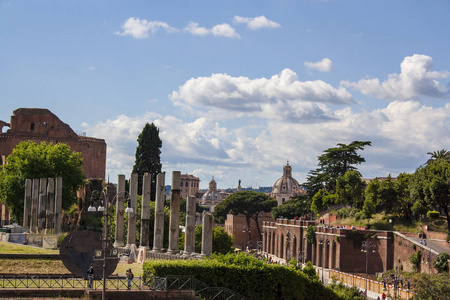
pixel 145 210
pixel 207 234
pixel 42 206
pixel 174 224
pixel 34 206
pixel 189 237
pixel 131 233
pixel 50 202
pixel 27 203
pixel 58 205
pixel 120 211
pixel 158 237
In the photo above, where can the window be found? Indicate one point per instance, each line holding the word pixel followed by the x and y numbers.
pixel 32 127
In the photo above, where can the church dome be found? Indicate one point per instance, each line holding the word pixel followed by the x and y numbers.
pixel 212 194
pixel 286 186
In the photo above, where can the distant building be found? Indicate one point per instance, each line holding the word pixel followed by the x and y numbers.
pixel 189 185
pixel 41 125
pixel 212 197
pixel 286 187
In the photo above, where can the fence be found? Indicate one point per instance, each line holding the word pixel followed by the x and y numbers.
pixel 372 285
pixel 119 283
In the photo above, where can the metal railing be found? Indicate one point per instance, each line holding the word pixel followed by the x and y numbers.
pixel 168 283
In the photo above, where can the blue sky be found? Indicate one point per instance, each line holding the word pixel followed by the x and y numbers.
pixel 237 88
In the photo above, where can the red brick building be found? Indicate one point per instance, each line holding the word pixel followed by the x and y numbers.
pixel 41 125
pixel 340 249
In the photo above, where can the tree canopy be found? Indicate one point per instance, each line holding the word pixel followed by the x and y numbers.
pixel 294 207
pixel 248 203
pixel 30 160
pixel 148 158
pixel 334 162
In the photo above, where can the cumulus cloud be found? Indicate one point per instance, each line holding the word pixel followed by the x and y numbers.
pixel 194 29
pixel 401 133
pixel 267 96
pixel 256 23
pixel 416 79
pixel 325 65
pixel 141 29
pixel 225 30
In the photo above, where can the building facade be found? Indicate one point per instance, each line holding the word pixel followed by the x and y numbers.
pixel 189 185
pixel 41 125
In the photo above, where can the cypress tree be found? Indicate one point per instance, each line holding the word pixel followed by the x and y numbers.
pixel 148 156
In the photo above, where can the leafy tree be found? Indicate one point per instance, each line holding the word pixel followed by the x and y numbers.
pixel 295 207
pixel 435 287
pixel 387 195
pixel 334 163
pixel 310 271
pixel 148 157
pixel 350 189
pixel 311 234
pixel 404 204
pixel 371 198
pixel 248 203
pixel 441 262
pixel 321 200
pixel 30 160
pixel 434 188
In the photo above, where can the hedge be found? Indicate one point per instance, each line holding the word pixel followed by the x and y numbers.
pixel 249 277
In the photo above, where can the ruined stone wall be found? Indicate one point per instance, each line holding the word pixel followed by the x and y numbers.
pixel 41 125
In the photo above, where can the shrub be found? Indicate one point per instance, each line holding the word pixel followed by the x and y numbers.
pixel 415 260
pixel 245 275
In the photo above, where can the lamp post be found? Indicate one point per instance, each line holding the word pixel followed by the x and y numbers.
pixel 367 247
pixel 396 280
pixel 103 207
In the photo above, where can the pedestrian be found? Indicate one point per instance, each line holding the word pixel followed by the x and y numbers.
pixel 90 275
pixel 130 277
pixel 383 296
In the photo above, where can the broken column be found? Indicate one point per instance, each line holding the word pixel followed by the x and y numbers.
pixel 145 210
pixel 131 233
pixel 189 237
pixel 207 234
pixel 174 224
pixel 27 203
pixel 50 202
pixel 158 237
pixel 34 206
pixel 120 211
pixel 58 205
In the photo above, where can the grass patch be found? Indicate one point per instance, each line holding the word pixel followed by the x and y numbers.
pixel 32 266
pixel 11 248
pixel 135 268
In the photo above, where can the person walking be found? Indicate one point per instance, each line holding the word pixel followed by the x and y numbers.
pixel 90 275
pixel 130 277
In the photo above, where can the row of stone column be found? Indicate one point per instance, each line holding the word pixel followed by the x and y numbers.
pixel 42 204
pixel 159 216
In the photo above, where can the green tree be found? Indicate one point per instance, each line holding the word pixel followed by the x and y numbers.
pixel 321 200
pixel 148 158
pixel 371 198
pixel 433 188
pixel 30 160
pixel 435 287
pixel 334 162
pixel 387 195
pixel 249 203
pixel 222 242
pixel 350 189
pixel 295 207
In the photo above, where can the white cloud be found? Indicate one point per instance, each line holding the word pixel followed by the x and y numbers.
pixel 325 65
pixel 416 79
pixel 194 29
pixel 91 68
pixel 256 23
pixel 140 29
pixel 225 30
pixel 401 133
pixel 282 94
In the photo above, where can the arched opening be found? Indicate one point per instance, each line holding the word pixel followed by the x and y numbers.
pixel 281 246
